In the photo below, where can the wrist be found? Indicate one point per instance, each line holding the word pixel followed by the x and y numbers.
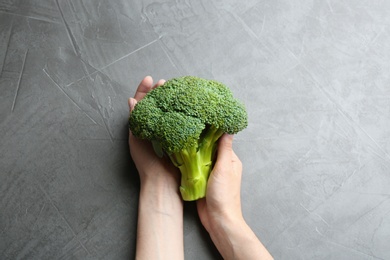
pixel 226 227
pixel 160 215
pixel 161 180
pixel 160 191
pixel 236 240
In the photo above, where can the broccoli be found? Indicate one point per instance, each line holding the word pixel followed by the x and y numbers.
pixel 184 118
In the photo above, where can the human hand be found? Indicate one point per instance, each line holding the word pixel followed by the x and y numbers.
pixel 222 202
pixel 160 209
pixel 147 162
pixel 220 211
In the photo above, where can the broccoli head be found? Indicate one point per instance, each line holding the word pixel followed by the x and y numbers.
pixel 184 118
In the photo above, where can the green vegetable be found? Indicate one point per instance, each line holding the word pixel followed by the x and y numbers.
pixel 184 118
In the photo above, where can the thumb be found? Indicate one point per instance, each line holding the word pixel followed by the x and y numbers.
pixel 226 143
pixel 225 148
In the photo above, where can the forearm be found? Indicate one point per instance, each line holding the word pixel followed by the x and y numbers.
pixel 160 222
pixel 236 240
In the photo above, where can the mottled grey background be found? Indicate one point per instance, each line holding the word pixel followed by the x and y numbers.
pixel 314 75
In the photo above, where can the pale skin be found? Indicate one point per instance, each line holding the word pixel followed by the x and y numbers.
pixel 160 214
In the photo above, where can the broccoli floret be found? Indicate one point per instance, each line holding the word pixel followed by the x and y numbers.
pixel 184 118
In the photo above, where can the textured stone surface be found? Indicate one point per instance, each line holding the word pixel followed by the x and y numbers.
pixel 316 155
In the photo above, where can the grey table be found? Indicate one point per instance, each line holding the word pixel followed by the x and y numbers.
pixel 314 76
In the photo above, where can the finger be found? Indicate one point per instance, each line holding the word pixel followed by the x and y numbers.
pixel 225 147
pixel 129 103
pixel 144 87
pixel 159 83
pixel 225 151
pixel 236 165
pixel 132 102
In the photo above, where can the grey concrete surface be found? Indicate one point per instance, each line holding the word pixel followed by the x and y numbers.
pixel 313 74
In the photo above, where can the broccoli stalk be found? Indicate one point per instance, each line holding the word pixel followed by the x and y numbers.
pixel 195 164
pixel 184 118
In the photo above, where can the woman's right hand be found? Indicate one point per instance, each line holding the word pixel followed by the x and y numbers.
pixel 220 211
